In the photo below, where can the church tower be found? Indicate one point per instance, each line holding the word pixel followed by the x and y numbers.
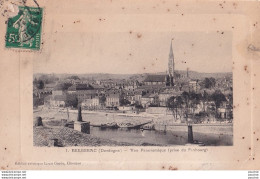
pixel 171 67
pixel 171 62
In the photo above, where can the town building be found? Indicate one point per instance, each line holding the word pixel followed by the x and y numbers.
pixel 41 93
pixel 138 96
pixel 163 98
pixel 83 91
pixel 57 101
pixel 79 87
pixel 167 79
pixel 60 89
pixel 93 103
pixel 155 80
pixel 194 85
pixel 149 99
pixel 130 97
pixel 166 94
pixel 112 100
pixel 39 96
pixel 225 113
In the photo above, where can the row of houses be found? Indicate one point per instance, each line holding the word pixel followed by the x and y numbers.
pixel 96 97
pixel 91 97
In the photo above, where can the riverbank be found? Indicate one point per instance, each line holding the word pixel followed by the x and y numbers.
pixel 68 137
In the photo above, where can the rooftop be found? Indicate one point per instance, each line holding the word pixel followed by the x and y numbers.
pixel 77 87
pixel 61 86
pixel 155 78
pixel 59 98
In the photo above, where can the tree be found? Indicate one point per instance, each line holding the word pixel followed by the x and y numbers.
pixel 138 106
pixel 124 102
pixel 170 102
pixel 103 99
pixel 35 81
pixel 37 102
pixel 230 99
pixel 74 77
pixel 179 105
pixel 195 99
pixel 213 81
pixel 218 97
pixel 186 103
pixel 40 84
pixel 172 105
pixel 65 86
pixel 205 99
pixel 48 78
pixel 209 82
pixel 71 100
pixel 155 102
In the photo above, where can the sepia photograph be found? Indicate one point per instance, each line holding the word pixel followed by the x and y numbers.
pixel 165 89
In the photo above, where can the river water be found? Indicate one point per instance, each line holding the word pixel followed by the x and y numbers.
pixel 215 136
pixel 147 137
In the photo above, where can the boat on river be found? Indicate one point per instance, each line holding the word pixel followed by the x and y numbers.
pixel 112 125
pixel 132 126
pixel 148 127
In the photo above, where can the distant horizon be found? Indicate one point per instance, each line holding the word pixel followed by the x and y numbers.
pixel 128 73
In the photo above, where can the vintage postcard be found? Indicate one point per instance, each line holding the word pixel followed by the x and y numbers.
pixel 164 85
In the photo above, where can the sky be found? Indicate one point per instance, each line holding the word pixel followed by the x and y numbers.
pixel 130 52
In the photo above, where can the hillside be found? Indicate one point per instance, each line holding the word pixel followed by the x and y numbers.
pixel 139 77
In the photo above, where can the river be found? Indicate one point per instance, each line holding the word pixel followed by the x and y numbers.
pixel 146 137
pixel 175 135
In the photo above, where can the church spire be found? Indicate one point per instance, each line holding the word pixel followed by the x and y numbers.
pixel 170 78
pixel 171 62
pixel 171 52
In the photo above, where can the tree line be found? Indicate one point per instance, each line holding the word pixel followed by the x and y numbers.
pixel 184 105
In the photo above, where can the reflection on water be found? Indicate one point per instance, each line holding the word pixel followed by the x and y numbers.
pixel 147 137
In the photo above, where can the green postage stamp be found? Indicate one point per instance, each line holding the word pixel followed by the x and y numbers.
pixel 24 30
